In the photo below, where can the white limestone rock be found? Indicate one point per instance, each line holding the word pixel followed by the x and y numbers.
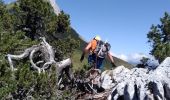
pixel 138 83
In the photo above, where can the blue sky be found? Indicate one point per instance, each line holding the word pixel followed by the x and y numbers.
pixel 124 23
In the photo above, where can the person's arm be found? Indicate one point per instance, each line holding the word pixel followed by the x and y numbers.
pixel 86 50
pixel 111 59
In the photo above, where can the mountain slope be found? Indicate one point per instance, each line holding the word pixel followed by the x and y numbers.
pixel 77 54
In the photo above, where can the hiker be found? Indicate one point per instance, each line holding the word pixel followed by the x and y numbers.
pixel 97 50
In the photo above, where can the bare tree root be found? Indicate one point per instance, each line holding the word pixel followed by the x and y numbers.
pixel 48 57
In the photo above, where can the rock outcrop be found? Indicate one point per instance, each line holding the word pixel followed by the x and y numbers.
pixel 55 6
pixel 138 83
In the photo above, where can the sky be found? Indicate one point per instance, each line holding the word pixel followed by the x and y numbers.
pixel 123 23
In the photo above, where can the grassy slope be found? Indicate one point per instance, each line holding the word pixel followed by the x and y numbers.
pixel 77 65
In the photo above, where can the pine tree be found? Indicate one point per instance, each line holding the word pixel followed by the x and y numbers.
pixel 34 15
pixel 20 25
pixel 143 63
pixel 159 37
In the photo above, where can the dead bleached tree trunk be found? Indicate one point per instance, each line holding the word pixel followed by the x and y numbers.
pixel 48 57
pixel 18 57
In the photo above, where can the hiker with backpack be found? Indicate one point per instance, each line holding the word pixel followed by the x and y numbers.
pixel 97 50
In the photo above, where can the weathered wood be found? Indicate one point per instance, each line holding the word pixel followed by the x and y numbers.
pixel 65 67
pixel 48 57
pixel 18 57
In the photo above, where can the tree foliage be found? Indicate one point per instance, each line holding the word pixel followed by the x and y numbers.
pixel 159 37
pixel 143 63
pixel 5 18
pixel 35 17
pixel 21 24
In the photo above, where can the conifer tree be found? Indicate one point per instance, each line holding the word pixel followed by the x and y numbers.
pixel 21 24
pixel 159 37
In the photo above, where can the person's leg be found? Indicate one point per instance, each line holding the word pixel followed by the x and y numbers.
pixel 100 63
pixel 89 58
pixel 92 60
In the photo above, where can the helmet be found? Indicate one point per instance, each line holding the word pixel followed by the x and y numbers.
pixel 97 38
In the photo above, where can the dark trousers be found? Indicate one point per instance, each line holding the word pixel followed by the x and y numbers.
pixel 97 61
